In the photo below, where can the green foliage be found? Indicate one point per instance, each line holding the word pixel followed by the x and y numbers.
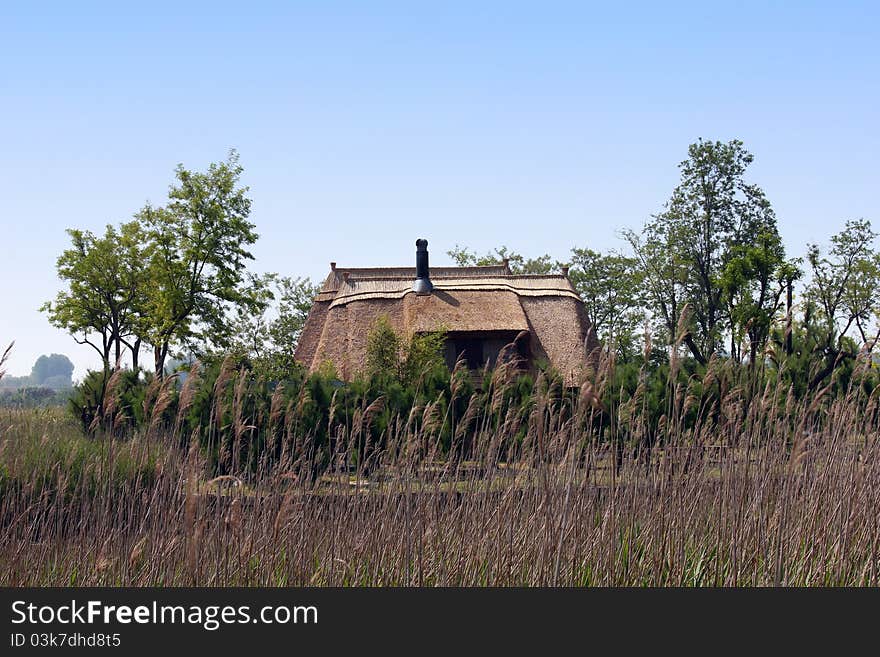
pixel 710 274
pixel 295 298
pixel 842 296
pixel 752 282
pixel 412 362
pixel 715 250
pixel 113 402
pixel 843 289
pixel 424 357
pixel 15 382
pixel 48 382
pixel 611 287
pixel 518 264
pixel 52 458
pixel 384 349
pixel 173 276
pixel 709 271
pixel 268 343
pixel 198 254
pixel 104 276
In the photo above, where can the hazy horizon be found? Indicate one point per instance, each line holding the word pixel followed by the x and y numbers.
pixel 362 129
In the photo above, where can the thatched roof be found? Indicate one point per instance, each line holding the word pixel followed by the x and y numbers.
pixel 463 310
pixel 465 299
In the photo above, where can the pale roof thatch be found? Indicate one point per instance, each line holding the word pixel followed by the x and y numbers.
pixel 465 299
pixel 463 310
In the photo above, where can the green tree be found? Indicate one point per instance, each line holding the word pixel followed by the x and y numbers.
pixel 269 343
pixel 407 361
pixel 753 282
pixel 685 250
pixel 295 298
pixel 842 296
pixel 611 287
pixel 104 277
pixel 423 356
pixel 197 266
pixel 464 257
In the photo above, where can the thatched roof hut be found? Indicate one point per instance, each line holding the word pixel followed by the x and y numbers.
pixel 482 309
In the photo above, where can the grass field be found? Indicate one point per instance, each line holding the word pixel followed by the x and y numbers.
pixel 768 498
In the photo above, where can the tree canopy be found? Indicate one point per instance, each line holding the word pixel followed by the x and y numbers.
pixel 173 276
pixel 715 249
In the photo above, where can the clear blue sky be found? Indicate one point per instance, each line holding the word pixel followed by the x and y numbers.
pixel 362 126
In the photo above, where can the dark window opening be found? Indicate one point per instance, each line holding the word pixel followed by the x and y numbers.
pixel 478 349
pixel 471 350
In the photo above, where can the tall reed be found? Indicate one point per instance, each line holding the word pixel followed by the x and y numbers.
pixel 733 486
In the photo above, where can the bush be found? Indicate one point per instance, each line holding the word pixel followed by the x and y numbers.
pixel 113 401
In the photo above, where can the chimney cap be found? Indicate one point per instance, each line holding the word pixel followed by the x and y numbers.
pixel 421 243
pixel 422 287
pixel 332 266
pixel 564 269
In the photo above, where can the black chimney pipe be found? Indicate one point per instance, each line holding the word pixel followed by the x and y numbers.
pixel 422 285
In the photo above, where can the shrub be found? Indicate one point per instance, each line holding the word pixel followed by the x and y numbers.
pixel 108 400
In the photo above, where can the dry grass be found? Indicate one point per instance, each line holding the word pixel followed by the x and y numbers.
pixel 3 358
pixel 773 492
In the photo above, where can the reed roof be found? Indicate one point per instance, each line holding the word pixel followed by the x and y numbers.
pixel 465 299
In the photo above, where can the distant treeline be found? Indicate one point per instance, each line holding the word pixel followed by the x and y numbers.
pixel 34 397
pixel 49 383
pixel 54 372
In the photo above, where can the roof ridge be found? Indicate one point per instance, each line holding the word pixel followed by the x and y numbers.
pixel 340 268
pixel 547 275
pixel 342 299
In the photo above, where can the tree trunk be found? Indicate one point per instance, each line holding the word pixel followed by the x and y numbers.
pixel 695 350
pixel 107 344
pixel 160 352
pixel 135 353
pixel 831 361
pixel 788 323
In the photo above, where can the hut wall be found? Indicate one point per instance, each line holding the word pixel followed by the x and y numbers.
pixel 346 329
pixel 559 332
pixel 311 334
